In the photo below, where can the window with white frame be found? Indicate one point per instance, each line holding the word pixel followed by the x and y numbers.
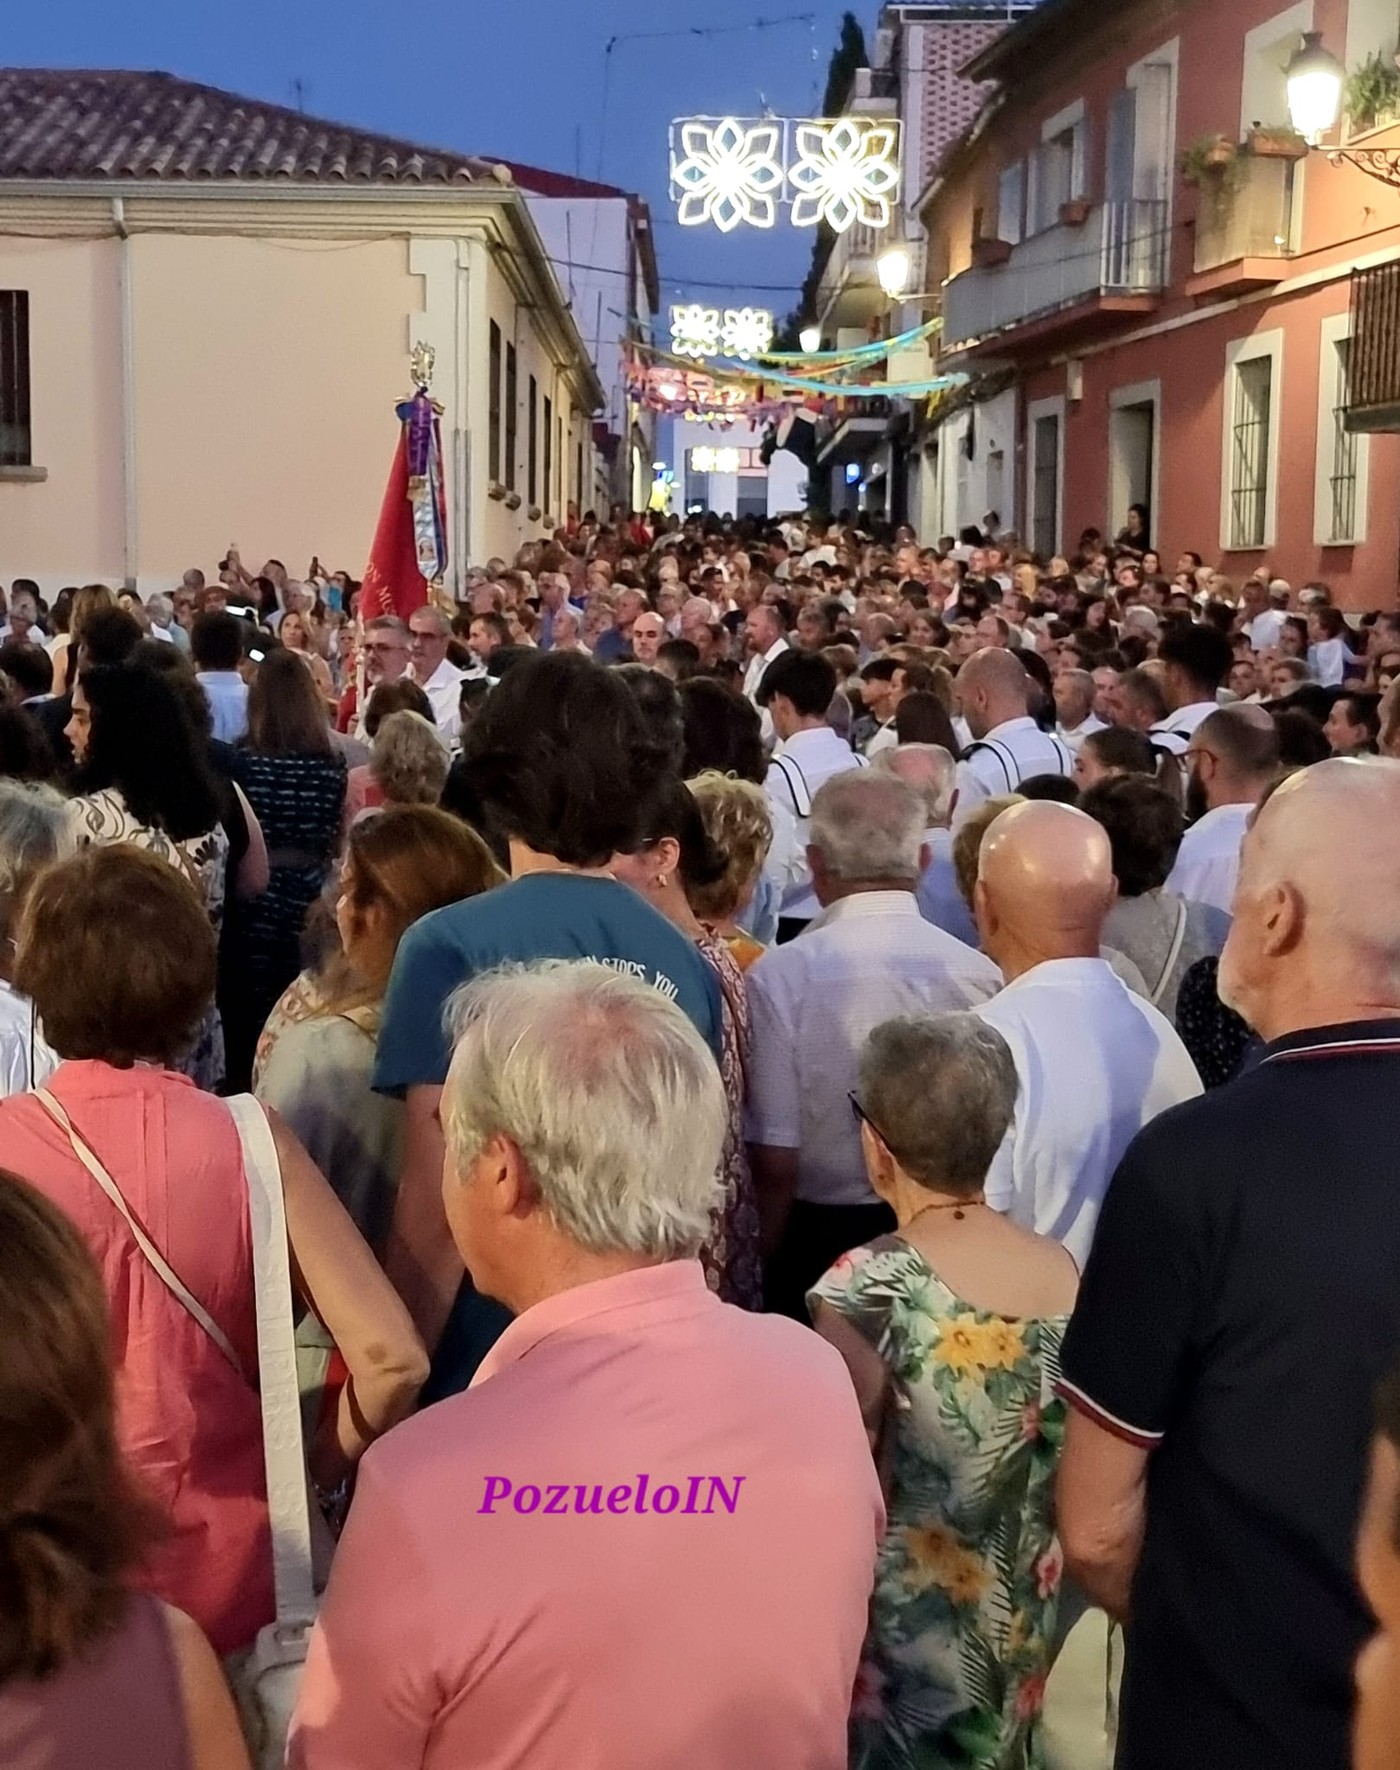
pixel 1267 49
pixel 1342 461
pixel 1010 196
pixel 1251 411
pixel 1058 168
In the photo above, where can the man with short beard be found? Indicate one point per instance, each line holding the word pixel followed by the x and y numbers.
pixel 1233 759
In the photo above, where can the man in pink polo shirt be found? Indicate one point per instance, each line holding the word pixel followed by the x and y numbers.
pixel 644 1538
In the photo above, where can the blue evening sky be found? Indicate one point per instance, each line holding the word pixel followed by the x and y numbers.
pixel 522 80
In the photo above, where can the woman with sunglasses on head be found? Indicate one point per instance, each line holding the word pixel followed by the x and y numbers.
pixel 951 1329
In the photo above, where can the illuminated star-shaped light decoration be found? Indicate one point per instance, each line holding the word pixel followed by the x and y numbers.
pixel 695 330
pixel 727 173
pixel 705 460
pixel 746 332
pixel 844 172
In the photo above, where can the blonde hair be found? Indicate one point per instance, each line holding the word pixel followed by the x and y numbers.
pixel 738 821
pixel 409 760
pixel 967 844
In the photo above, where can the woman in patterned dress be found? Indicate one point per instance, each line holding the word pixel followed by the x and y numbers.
pixel 295 781
pixel 951 1329
pixel 679 857
pixel 144 778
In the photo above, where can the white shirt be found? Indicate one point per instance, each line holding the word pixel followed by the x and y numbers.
pixel 812 1005
pixel 444 690
pixel 1095 1063
pixel 884 738
pixel 26 1061
pixel 1174 733
pixel 1074 736
pixel 805 762
pixel 1208 861
pixel 1328 662
pixel 753 676
pixel 1264 630
pixel 1010 753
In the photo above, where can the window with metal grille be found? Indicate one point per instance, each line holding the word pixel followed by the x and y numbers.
pixel 559 500
pixel 578 473
pixel 1344 441
pixel 1249 451
pixel 548 451
pixel 532 445
pixel 1046 485
pixel 493 444
pixel 512 403
pixel 15 439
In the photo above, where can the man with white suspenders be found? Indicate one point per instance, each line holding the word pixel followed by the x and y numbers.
pixel 994 688
pixel 797 689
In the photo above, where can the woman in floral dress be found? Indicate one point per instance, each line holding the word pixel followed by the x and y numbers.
pixel 951 1329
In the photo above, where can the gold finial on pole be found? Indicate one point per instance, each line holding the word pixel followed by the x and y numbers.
pixel 423 358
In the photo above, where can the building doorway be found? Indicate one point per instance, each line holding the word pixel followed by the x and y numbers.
pixel 1134 431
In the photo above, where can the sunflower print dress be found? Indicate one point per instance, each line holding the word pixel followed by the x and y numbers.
pixel 967 1579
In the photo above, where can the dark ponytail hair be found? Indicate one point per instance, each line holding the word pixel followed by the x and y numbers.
pixel 671 810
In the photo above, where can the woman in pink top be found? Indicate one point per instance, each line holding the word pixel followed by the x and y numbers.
pixel 119 958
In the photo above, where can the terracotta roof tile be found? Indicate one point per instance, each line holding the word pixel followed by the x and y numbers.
pixel 62 124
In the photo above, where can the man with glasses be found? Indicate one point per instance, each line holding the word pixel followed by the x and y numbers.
pixel 386 660
pixel 429 634
pixel 1233 757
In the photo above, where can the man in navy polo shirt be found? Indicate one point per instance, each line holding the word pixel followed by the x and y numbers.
pixel 1240 1304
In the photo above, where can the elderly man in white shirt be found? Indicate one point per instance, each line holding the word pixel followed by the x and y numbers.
pixel 798 689
pixel 764 640
pixel 1233 758
pixel 1095 1062
pixel 1074 705
pixel 933 774
pixel 1265 610
pixel 1008 746
pixel 429 632
pixel 813 1003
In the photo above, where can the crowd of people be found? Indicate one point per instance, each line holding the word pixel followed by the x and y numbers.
pixel 830 1097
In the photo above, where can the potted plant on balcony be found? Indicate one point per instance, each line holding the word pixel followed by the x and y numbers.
pixel 1208 157
pixel 1075 212
pixel 988 251
pixel 1371 96
pixel 1278 143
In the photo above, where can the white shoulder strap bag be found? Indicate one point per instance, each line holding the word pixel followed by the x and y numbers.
pixel 267 1680
pixel 265 1676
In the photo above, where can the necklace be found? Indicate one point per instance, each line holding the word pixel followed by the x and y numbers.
pixel 958 1206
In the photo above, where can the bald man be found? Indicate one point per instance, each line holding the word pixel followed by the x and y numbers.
pixel 1095 1061
pixel 1240 1305
pixel 1232 757
pixel 994 691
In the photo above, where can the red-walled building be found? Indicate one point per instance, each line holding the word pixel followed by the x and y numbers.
pixel 1149 280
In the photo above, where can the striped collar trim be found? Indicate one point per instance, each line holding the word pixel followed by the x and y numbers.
pixel 1353 1047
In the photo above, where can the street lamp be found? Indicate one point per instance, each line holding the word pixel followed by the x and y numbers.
pixel 810 338
pixel 892 267
pixel 1314 77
